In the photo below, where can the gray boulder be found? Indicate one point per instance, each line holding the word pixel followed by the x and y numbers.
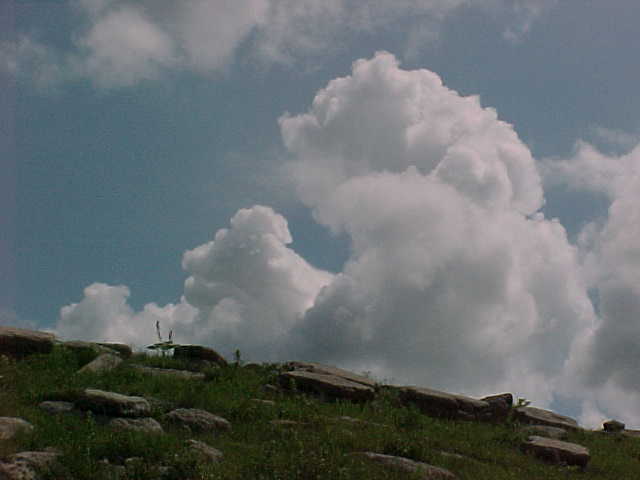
pixel 423 470
pixel 113 404
pixel 79 347
pixel 19 342
pixel 55 407
pixel 169 372
pixel 556 451
pixel 328 386
pixel 538 416
pixel 206 452
pixel 27 465
pixel 198 420
pixel 613 426
pixel 199 353
pixel 124 350
pixel 146 425
pixel 447 405
pixel 547 431
pixel 330 370
pixel 102 363
pixel 12 426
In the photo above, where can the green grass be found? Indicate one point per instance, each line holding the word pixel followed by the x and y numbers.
pixel 317 448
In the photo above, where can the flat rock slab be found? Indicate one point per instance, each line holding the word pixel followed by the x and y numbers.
pixel 424 470
pixel 327 385
pixel 538 416
pixel 556 451
pixel 123 349
pixel 169 372
pixel 198 352
pixel 27 465
pixel 12 426
pixel 206 452
pixel 79 347
pixel 198 420
pixel 19 342
pixel 146 425
pixel 113 404
pixel 442 404
pixel 55 407
pixel 333 371
pixel 546 431
pixel 102 363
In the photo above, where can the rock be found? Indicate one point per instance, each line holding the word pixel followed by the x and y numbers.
pixel 27 465
pixel 355 421
pixel 198 420
pixel 146 424
pixel 329 370
pixel 547 431
pixel 124 350
pixel 114 404
pixel 56 407
pixel 500 405
pixel 259 401
pixel 198 352
pixel 442 404
pixel 326 385
pixel 268 388
pixel 12 426
pixel 169 372
pixel 206 452
pixel 556 451
pixel 613 426
pixel 538 416
pixel 18 343
pixel 285 423
pixel 102 363
pixel 424 470
pixel 78 347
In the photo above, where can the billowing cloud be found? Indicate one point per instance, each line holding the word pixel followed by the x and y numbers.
pixel 246 290
pixel 250 289
pixel 123 42
pixel 455 279
pixel 605 359
pixel 123 47
pixel 104 314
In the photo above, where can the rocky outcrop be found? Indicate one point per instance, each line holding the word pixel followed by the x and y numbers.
pixel 328 386
pixel 538 416
pixel 453 406
pixel 199 353
pixel 12 426
pixel 113 404
pixel 198 420
pixel 169 372
pixel 102 363
pixel 19 343
pixel 420 469
pixel 546 431
pixel 556 451
pixel 613 426
pixel 124 350
pixel 27 465
pixel 146 425
pixel 331 371
pixel 206 452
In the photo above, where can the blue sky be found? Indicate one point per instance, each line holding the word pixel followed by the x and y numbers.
pixel 456 211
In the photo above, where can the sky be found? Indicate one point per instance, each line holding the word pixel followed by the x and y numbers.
pixel 438 192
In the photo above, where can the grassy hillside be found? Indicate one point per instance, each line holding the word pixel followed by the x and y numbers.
pixel 315 448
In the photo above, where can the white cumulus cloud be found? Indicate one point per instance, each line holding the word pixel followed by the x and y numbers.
pixel 455 280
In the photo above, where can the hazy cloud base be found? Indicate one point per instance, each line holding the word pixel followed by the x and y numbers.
pixel 455 279
pixel 124 42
